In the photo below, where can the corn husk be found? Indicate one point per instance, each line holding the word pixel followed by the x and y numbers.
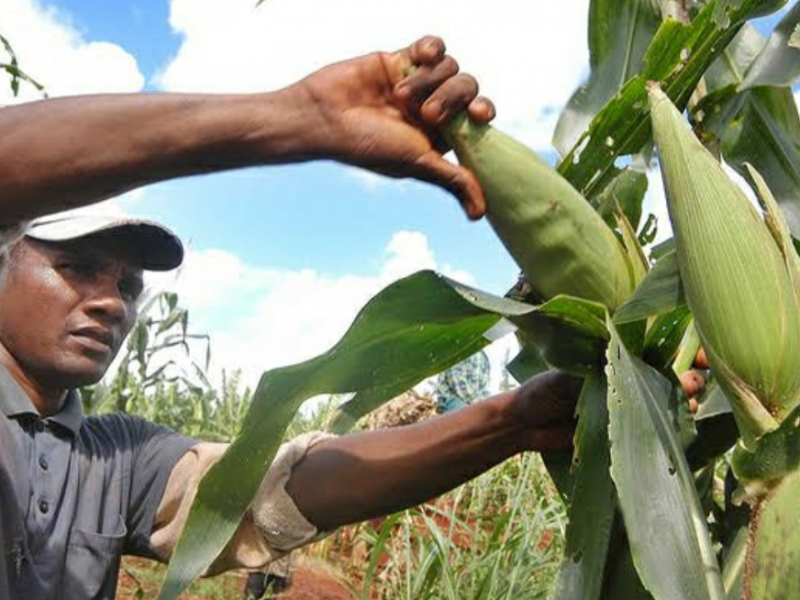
pixel 736 276
pixel 559 241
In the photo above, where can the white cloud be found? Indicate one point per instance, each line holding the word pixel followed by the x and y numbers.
pixel 51 50
pixel 285 317
pixel 529 57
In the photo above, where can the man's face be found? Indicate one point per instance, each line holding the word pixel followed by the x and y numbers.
pixel 66 308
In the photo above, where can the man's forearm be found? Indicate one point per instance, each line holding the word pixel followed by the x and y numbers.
pixel 68 152
pixel 357 477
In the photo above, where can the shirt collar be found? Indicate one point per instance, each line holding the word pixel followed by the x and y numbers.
pixel 14 402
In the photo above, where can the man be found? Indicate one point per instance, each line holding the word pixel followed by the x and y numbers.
pixel 76 492
pixel 463 383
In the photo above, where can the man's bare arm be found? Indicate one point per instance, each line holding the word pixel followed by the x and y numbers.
pixel 352 478
pixel 67 152
pixel 63 153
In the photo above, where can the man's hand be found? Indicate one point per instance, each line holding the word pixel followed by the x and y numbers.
pixel 693 381
pixel 383 112
pixel 545 404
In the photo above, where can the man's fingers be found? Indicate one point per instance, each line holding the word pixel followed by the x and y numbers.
pixel 425 81
pixel 456 179
pixel 448 98
pixel 692 382
pixel 425 51
pixel 403 65
pixel 481 110
pixel 701 360
pixel 555 396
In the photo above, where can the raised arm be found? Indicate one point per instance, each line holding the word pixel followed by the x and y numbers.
pixel 367 112
pixel 352 478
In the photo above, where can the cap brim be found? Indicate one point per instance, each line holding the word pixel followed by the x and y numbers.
pixel 158 247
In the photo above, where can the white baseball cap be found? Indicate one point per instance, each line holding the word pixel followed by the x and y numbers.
pixel 159 248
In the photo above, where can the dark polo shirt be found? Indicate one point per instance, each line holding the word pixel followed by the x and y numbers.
pixel 75 494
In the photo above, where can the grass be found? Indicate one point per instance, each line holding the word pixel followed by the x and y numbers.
pixel 498 537
pixel 140 578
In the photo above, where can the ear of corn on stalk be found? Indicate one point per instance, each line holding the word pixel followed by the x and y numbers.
pixel 737 279
pixel 559 241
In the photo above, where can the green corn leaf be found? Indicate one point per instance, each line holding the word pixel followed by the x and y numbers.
pixel 637 262
pixel 528 363
pixel 778 64
pixel 773 561
pixel 624 193
pixel 660 292
pixel 774 455
pixel 571 320
pixel 655 485
pixel 677 58
pixel 765 133
pixel 619 33
pixel 392 340
pixel 726 74
pixel 664 337
pixel 727 10
pixel 567 333
pixel 593 504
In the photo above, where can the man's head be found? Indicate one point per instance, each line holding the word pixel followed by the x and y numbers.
pixel 69 294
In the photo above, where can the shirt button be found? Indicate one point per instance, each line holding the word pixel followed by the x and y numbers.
pixel 44 506
pixel 43 463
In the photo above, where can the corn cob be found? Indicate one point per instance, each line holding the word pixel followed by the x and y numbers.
pixel 559 241
pixel 739 280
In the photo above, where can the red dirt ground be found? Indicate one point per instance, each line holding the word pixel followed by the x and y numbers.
pixel 315 585
pixel 308 583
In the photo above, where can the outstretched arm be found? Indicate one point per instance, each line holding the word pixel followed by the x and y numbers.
pixel 352 478
pixel 368 112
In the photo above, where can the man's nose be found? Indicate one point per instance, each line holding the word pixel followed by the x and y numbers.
pixel 107 300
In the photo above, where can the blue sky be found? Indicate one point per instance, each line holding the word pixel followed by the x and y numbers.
pixel 281 258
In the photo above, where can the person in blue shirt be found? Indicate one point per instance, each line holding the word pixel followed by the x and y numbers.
pixel 463 383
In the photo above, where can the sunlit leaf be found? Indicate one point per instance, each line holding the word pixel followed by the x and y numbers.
pixel 593 503
pixel 677 58
pixel 660 292
pixel 619 34
pixel 625 193
pixel 773 562
pixel 766 134
pixel 655 485
pixel 778 63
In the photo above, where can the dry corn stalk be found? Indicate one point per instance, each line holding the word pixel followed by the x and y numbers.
pixel 559 241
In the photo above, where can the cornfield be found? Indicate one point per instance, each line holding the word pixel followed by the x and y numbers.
pixel 660 500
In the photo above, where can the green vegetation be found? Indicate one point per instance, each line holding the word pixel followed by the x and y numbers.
pixel 645 513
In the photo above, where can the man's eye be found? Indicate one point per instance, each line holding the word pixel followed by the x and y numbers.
pixel 83 269
pixel 131 289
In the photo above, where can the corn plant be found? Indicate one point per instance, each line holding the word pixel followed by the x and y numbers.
pixel 647 513
pixel 15 73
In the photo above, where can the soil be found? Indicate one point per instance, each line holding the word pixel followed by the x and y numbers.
pixel 310 581
pixel 308 584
